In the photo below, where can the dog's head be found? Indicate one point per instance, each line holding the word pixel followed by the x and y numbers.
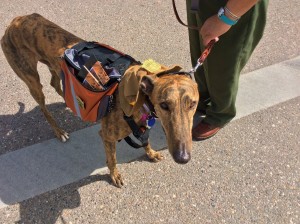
pixel 175 99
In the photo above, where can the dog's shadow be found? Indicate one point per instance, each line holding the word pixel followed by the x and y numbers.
pixel 57 165
pixel 50 164
pixel 27 128
pixel 48 207
pixel 41 168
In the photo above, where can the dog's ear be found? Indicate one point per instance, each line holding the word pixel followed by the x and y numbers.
pixel 147 84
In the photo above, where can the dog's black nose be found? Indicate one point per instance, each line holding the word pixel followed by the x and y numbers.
pixel 181 156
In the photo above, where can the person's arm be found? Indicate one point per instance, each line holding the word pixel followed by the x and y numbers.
pixel 213 27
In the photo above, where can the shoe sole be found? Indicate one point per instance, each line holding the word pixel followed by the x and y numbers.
pixel 202 139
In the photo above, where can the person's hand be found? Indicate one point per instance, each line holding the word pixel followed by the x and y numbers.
pixel 212 28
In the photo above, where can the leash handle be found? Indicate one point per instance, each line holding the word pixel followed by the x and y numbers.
pixel 207 50
pixel 204 55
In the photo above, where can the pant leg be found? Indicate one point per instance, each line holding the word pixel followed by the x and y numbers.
pixel 195 50
pixel 227 58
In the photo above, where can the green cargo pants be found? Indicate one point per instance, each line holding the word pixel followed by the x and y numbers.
pixel 218 78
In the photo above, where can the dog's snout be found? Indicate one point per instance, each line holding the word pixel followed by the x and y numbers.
pixel 181 155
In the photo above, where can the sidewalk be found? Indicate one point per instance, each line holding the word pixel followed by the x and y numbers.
pixel 46 166
pixel 248 173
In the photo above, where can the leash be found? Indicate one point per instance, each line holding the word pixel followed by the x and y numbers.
pixel 203 56
pixel 194 8
pixel 200 62
pixel 205 53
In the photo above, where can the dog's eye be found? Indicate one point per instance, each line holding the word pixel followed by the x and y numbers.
pixel 164 106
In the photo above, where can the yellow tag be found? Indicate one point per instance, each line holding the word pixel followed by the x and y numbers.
pixel 80 102
pixel 151 65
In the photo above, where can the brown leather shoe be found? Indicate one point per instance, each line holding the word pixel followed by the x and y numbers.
pixel 204 131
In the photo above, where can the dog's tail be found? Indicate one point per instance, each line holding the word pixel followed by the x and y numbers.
pixel 21 108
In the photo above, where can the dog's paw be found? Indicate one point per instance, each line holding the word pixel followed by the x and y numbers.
pixel 62 135
pixel 155 156
pixel 117 179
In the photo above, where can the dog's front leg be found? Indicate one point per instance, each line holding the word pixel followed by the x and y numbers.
pixel 111 161
pixel 152 154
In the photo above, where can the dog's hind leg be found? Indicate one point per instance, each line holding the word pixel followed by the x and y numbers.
pixel 24 64
pixel 152 154
pixel 35 88
pixel 55 82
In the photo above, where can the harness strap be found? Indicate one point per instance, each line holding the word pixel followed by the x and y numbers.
pixel 141 133
pixel 175 73
pixel 111 56
pixel 132 143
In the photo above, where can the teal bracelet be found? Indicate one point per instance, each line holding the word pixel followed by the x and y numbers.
pixel 224 18
pixel 231 14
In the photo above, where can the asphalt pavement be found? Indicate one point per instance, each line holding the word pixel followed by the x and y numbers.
pixel 247 173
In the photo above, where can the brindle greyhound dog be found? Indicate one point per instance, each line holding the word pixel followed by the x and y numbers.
pixel 31 39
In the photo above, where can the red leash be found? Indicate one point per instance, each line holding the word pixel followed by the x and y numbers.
pixel 204 55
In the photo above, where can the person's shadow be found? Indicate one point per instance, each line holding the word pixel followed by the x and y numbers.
pixel 48 207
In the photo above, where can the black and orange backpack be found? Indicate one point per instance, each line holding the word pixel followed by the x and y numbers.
pixel 90 74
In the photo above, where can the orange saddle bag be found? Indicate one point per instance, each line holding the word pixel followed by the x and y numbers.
pixel 90 74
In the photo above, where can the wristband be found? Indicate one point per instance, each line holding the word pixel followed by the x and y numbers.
pixel 224 18
pixel 231 13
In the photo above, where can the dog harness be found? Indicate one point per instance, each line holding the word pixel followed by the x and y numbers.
pixel 141 133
